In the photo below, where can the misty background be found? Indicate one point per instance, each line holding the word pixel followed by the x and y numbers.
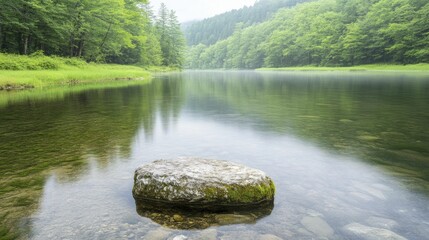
pixel 188 10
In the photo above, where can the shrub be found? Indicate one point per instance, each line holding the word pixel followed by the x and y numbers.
pixel 37 61
pixel 48 63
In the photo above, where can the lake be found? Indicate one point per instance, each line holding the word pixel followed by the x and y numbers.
pixel 348 152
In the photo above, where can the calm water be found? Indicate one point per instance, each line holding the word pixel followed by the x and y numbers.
pixel 348 152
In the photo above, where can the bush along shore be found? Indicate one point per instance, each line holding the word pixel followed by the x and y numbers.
pixel 37 70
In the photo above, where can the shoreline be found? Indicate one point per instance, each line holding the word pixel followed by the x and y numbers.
pixel 421 67
pixel 18 72
pixel 29 79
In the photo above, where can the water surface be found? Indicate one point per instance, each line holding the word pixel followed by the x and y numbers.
pixel 344 149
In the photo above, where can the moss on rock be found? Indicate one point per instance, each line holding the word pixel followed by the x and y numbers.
pixel 202 183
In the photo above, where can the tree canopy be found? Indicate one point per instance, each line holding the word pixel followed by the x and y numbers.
pixel 112 31
pixel 325 33
pixel 211 30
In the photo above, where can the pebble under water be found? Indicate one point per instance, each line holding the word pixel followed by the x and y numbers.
pixel 348 153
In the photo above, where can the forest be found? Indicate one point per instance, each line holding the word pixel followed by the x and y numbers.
pixel 320 33
pixel 271 33
pixel 211 30
pixel 103 31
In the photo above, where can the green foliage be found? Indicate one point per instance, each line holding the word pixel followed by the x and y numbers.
pixel 75 62
pixel 110 31
pixel 172 42
pixel 33 62
pixel 325 33
pixel 18 72
pixel 212 30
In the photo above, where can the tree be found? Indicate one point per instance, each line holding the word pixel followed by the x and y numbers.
pixel 419 49
pixel 114 31
pixel 29 25
pixel 171 38
pixel 329 33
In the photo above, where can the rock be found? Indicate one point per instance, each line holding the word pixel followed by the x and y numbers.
pixel 202 184
pixel 371 191
pixel 318 226
pixel 177 218
pixel 304 232
pixel 158 234
pixel 226 219
pixel 382 222
pixel 312 213
pixel 279 230
pixel 180 237
pixel 268 237
pixel 360 231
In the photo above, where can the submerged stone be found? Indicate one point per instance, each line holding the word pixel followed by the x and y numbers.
pixel 317 226
pixel 198 183
pixel 371 233
pixel 175 218
pixel 228 219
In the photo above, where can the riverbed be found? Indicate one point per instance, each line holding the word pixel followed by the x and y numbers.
pixel 348 152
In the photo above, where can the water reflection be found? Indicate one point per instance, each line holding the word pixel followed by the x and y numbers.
pixel 59 131
pixel 379 117
pixel 177 218
pixel 345 150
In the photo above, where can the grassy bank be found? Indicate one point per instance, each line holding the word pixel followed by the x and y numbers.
pixel 36 71
pixel 373 67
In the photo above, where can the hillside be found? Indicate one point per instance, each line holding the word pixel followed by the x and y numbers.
pixel 211 30
pixel 325 33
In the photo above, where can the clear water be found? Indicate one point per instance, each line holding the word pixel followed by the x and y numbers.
pixel 342 148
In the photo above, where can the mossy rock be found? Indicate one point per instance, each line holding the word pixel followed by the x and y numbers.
pixel 202 184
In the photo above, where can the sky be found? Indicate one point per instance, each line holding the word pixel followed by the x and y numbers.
pixel 187 10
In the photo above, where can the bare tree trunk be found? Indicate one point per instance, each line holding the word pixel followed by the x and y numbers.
pixel 1 37
pixel 71 45
pixel 81 44
pixel 25 44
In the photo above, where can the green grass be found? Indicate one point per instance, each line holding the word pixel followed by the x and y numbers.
pixel 372 67
pixel 37 71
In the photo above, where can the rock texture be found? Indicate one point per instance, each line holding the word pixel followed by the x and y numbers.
pixel 360 231
pixel 202 183
pixel 317 226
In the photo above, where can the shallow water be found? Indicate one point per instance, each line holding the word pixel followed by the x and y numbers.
pixel 347 151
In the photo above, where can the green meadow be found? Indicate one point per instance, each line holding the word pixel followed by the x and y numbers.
pixel 37 71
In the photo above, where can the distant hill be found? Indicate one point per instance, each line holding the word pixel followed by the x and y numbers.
pixel 187 24
pixel 323 33
pixel 214 29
